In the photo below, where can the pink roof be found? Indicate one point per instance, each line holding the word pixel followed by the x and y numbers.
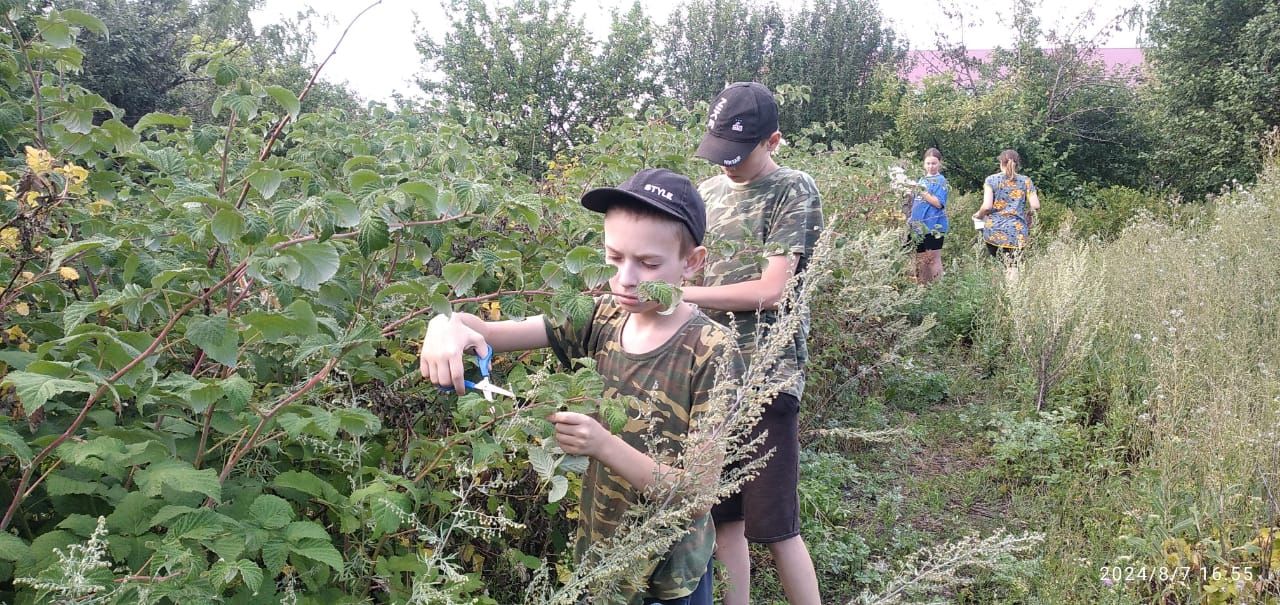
pixel 922 63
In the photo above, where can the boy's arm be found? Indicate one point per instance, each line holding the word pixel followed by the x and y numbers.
pixel 582 435
pixel 448 337
pixel 750 295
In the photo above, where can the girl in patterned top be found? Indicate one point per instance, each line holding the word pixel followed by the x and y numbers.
pixel 1010 200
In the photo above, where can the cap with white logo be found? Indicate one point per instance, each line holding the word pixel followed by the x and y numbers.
pixel 741 116
pixel 658 188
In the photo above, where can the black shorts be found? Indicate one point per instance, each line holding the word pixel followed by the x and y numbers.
pixel 769 502
pixel 929 242
pixel 1002 253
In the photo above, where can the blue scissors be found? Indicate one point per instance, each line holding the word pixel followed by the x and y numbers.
pixel 485 363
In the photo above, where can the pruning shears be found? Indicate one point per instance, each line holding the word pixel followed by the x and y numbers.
pixel 485 363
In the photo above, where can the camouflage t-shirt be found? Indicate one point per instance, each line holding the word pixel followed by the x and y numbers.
pixel 672 385
pixel 747 223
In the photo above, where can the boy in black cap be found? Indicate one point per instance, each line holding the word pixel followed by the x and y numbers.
pixel 666 358
pixel 770 217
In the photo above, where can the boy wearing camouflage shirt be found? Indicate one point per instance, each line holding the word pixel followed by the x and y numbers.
pixel 769 217
pixel 666 358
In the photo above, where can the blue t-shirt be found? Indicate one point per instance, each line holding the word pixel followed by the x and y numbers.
pixel 924 217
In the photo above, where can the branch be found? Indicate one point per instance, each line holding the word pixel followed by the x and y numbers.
pixel 111 380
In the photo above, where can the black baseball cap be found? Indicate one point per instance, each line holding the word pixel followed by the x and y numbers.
pixel 658 188
pixel 741 116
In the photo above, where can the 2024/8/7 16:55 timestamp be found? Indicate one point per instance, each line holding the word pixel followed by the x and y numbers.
pixel 1115 574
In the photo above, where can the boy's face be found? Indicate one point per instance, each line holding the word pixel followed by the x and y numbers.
pixel 645 249
pixel 754 165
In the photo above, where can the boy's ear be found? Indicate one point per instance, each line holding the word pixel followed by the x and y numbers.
pixel 774 140
pixel 693 263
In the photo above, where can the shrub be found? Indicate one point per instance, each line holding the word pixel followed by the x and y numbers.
pixel 1043 448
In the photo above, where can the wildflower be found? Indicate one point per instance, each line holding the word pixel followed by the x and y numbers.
pixel 9 238
pixel 68 274
pixel 39 160
pixel 1108 582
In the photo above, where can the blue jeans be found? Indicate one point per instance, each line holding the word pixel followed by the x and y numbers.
pixel 700 595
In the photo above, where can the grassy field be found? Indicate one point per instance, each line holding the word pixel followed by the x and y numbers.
pixel 1147 475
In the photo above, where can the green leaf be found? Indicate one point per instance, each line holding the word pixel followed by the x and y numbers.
pixel 12 548
pixel 285 98
pixel 34 390
pixel 237 390
pixel 122 137
pixel 356 162
pixel 178 476
pixel 614 413
pixel 256 230
pixel 362 178
pixel 204 138
pixel 60 484
pixel 542 461
pixel 224 73
pixel 424 191
pixel 317 262
pixel 85 20
pixel 55 32
pixel 296 320
pixel 307 483
pixel 250 573
pixel 245 106
pixel 271 512
pixel 348 212
pixel 65 251
pixel 318 550
pixel 158 119
pixel 305 530
pixel 227 225
pixel 274 556
pixel 12 441
pixel 559 487
pixel 461 276
pixel 580 257
pixel 266 181
pixel 595 276
pixel 576 306
pixel 553 274
pixel 216 337
pixel 373 235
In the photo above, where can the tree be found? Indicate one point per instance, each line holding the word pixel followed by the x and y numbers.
pixel 1074 122
pixel 711 43
pixel 842 51
pixel 1216 78
pixel 533 62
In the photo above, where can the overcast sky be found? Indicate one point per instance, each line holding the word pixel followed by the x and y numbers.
pixel 378 56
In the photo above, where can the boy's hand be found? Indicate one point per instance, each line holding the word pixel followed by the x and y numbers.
pixel 440 360
pixel 579 434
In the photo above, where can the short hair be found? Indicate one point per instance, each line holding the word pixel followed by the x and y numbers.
pixel 638 210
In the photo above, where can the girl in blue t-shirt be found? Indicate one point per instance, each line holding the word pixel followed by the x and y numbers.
pixel 928 218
